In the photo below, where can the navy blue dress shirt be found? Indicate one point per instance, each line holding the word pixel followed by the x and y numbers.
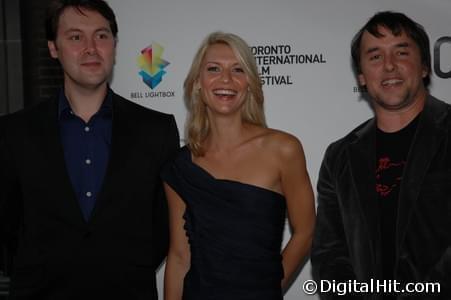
pixel 86 149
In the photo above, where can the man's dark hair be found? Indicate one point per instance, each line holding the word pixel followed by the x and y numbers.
pixel 397 23
pixel 56 8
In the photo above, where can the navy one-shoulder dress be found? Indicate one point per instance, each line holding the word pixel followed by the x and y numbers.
pixel 234 231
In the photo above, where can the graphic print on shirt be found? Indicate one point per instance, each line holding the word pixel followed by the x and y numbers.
pixel 388 175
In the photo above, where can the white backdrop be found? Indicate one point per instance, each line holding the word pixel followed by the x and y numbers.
pixel 316 101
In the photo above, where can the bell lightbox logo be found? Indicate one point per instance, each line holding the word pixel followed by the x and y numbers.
pixel 152 65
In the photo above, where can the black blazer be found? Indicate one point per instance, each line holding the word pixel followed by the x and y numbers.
pixel 61 256
pixel 347 236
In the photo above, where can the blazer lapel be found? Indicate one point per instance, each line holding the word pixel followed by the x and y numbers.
pixel 424 145
pixel 362 157
pixel 121 141
pixel 46 134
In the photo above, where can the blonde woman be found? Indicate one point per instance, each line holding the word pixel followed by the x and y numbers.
pixel 230 187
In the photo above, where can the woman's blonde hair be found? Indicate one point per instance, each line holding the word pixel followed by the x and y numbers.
pixel 198 125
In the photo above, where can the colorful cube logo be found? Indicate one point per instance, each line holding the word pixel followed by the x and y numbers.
pixel 152 65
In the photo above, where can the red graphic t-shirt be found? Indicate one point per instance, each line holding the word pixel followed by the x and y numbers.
pixel 388 175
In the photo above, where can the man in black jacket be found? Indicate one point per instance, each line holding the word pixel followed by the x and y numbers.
pixel 384 190
pixel 81 192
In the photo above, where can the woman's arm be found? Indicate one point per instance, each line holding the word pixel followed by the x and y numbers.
pixel 298 193
pixel 178 260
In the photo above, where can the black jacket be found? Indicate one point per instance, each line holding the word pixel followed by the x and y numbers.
pixel 347 238
pixel 61 256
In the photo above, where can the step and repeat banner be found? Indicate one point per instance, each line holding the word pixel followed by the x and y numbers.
pixel 302 48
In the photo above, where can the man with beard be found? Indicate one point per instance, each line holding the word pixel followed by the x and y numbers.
pixel 384 190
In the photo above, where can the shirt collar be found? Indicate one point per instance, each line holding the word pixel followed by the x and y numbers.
pixel 64 106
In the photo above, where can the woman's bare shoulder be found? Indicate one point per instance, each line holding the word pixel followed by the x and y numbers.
pixel 282 143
